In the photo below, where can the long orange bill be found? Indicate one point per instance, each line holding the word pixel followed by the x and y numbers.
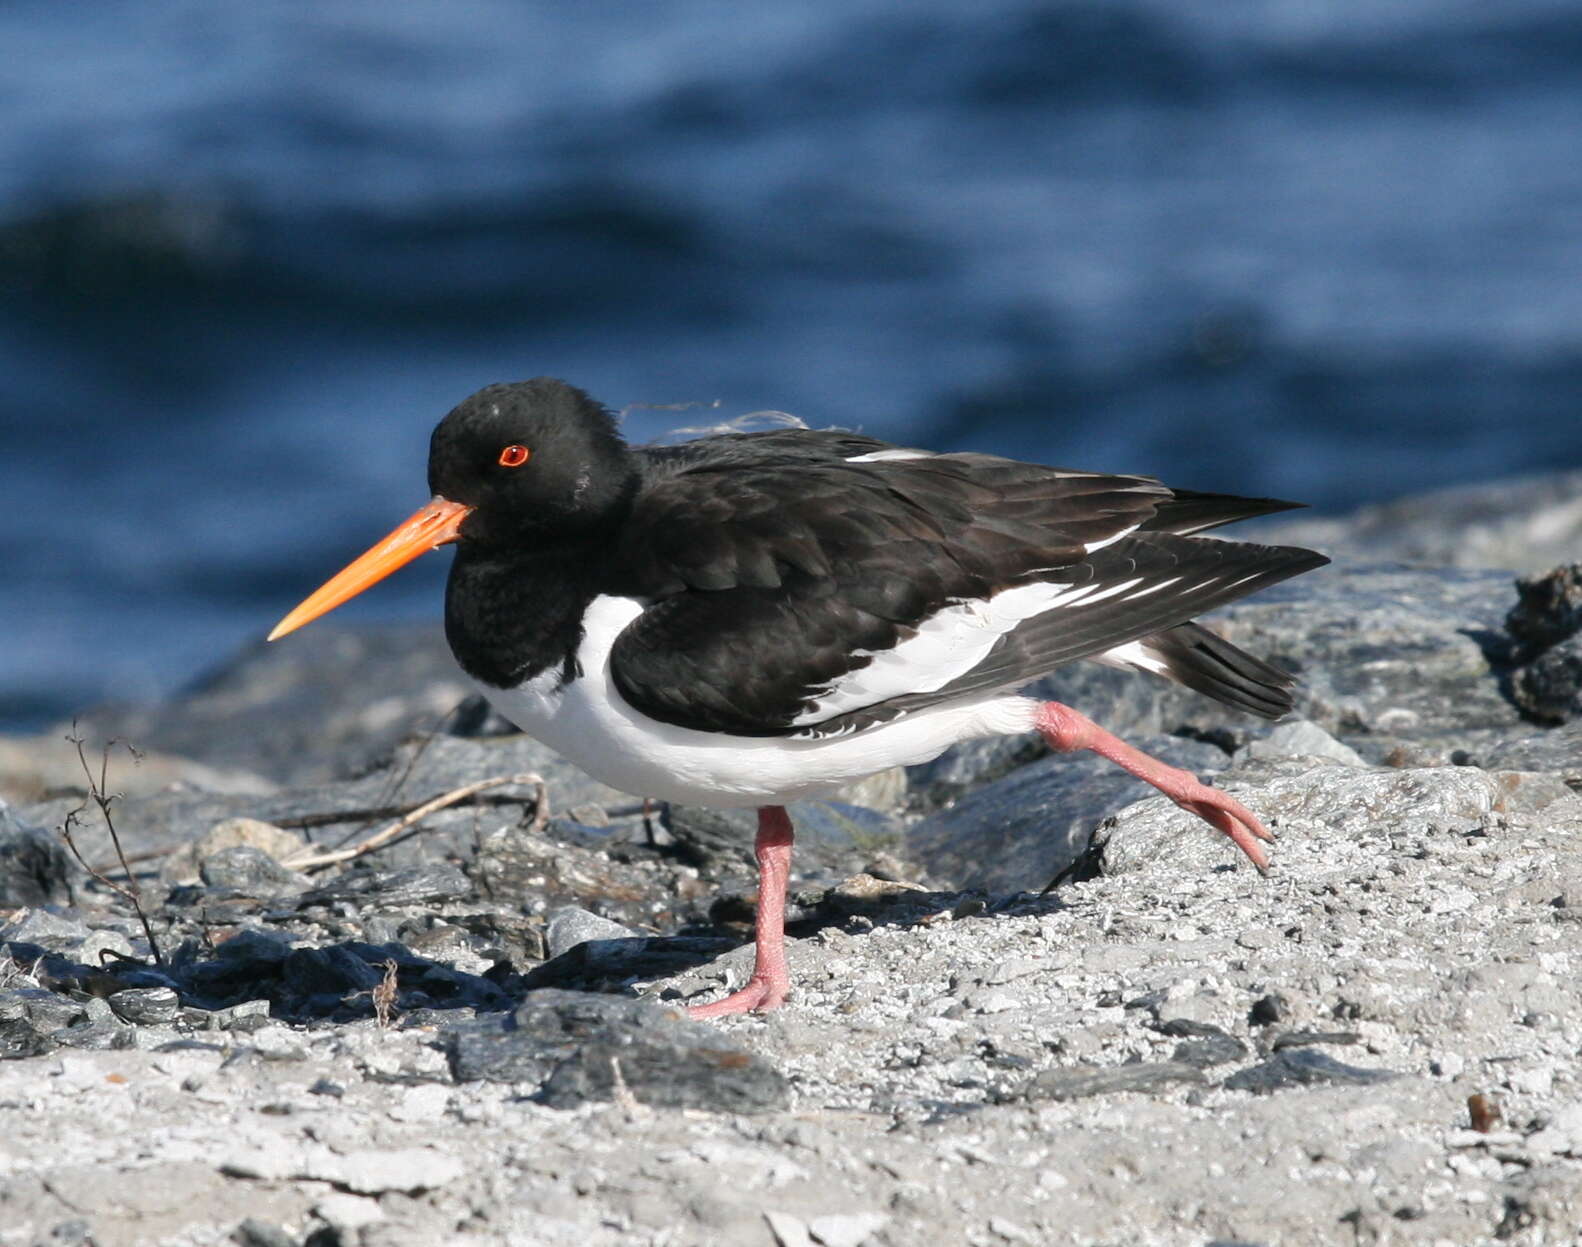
pixel 433 526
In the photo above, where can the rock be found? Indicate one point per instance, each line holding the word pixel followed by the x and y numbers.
pixel 604 965
pixel 1299 738
pixel 267 948
pixel 520 870
pixel 1207 1046
pixel 568 1045
pixel 34 767
pixel 417 772
pixel 333 971
pixel 1081 1081
pixel 1267 1010
pixel 257 1233
pixel 48 930
pixel 20 1040
pixel 146 1006
pixel 35 868
pixel 1209 1052
pixel 49 1011
pixel 1328 800
pixel 1548 609
pixel 279 844
pixel 1016 833
pixel 250 871
pixel 571 926
pixel 1557 751
pixel 1522 524
pixel 375 1172
pixel 1549 689
pixel 392 889
pixel 1306 1039
pixel 1303 1067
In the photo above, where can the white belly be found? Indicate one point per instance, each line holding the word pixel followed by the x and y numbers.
pixel 590 724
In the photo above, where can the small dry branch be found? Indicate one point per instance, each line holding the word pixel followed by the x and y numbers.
pixel 386 994
pixel 100 796
pixel 317 861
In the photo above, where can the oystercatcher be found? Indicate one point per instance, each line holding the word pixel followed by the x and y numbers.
pixel 748 619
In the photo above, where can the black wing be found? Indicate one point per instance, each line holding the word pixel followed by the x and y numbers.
pixel 776 566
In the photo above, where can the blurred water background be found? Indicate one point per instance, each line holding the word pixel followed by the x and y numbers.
pixel 249 253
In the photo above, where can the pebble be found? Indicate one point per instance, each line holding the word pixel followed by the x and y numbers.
pixel 149 1006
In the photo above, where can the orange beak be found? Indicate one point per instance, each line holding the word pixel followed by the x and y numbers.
pixel 433 526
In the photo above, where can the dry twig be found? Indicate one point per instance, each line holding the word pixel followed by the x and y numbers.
pixel 98 796
pixel 317 861
pixel 386 994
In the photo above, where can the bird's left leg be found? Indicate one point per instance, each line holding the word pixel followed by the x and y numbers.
pixel 1067 731
pixel 771 980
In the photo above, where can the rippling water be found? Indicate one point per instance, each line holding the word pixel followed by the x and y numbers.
pixel 249 254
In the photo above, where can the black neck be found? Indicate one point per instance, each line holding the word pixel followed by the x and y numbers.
pixel 510 616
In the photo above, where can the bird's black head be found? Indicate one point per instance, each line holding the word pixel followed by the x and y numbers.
pixel 532 459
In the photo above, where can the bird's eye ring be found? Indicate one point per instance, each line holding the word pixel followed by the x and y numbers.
pixel 514 456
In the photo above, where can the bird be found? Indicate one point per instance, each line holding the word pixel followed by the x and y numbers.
pixel 754 618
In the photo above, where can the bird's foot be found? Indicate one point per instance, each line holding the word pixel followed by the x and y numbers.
pixel 1216 808
pixel 761 994
pixel 1065 731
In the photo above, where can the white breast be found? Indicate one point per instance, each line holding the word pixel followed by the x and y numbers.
pixel 589 723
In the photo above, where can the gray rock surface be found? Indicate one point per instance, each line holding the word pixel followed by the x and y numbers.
pixel 1524 524
pixel 1019 832
pixel 34 866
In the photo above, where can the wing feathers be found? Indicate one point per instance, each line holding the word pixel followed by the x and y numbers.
pixel 794 592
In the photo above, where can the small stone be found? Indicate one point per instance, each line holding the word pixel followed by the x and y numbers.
pixel 147 1006
pixel 1306 1039
pixel 1210 1051
pixel 92 950
pixel 50 1010
pixel 250 871
pixel 571 926
pixel 279 845
pixel 34 866
pixel 1300 738
pixel 846 1229
pixel 1549 689
pixel 348 1212
pixel 48 930
pixel 789 1230
pixel 255 1233
pixel 419 885
pixel 1548 608
pixel 89 1036
pixel 1080 1081
pixel 568 1044
pixel 252 944
pixel 1302 1067
pixel 1269 1009
pixel 20 1040
pixel 373 1173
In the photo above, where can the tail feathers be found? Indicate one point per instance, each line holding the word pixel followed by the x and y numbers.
pixel 1193 656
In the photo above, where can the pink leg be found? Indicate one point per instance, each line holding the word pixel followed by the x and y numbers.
pixel 1067 731
pixel 770 981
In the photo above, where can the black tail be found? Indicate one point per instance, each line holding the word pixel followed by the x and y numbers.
pixel 1191 511
pixel 1209 664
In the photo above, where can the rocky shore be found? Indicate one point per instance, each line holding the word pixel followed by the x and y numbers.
pixel 364 1022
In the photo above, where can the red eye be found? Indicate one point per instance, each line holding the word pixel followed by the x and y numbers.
pixel 514 456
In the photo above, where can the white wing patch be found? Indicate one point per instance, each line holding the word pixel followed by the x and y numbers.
pixel 1133 656
pixel 946 646
pixel 894 452
pixel 1091 546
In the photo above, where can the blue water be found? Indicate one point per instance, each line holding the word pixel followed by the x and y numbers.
pixel 249 253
